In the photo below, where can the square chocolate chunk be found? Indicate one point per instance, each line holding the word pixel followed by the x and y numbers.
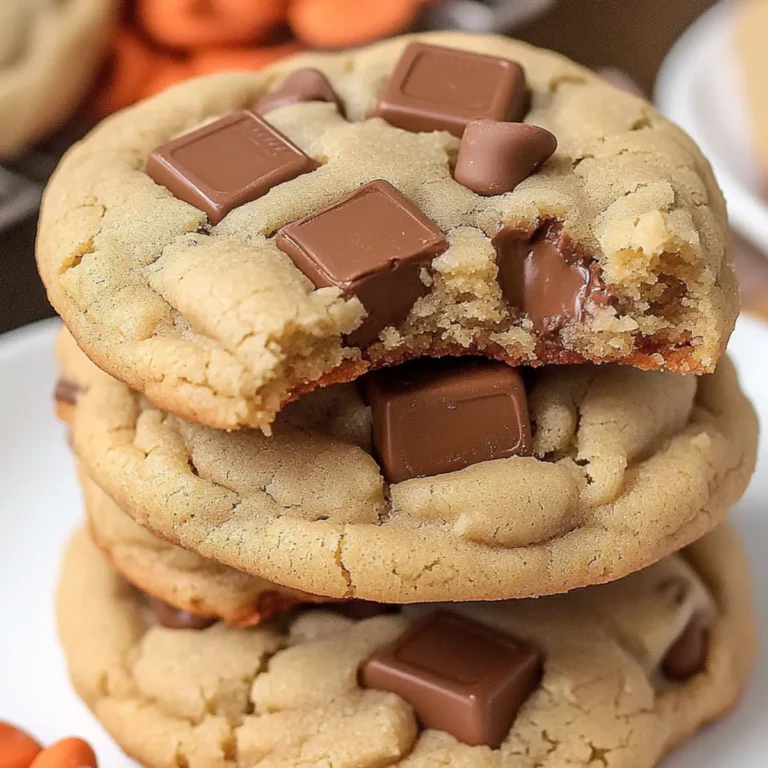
pixel 436 416
pixel 227 163
pixel 443 89
pixel 459 676
pixel 371 244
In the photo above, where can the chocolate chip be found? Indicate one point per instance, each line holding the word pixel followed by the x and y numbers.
pixel 495 157
pixel 302 85
pixel 67 390
pixel 371 244
pixel 173 618
pixel 688 655
pixel 227 163
pixel 544 278
pixel 443 89
pixel 459 676
pixel 436 416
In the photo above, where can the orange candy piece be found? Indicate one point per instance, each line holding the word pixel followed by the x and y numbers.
pixel 17 748
pixel 66 753
pixel 131 67
pixel 208 61
pixel 167 72
pixel 225 35
pixel 137 70
pixel 196 23
pixel 341 23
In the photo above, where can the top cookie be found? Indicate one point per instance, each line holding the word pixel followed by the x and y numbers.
pixel 49 52
pixel 222 268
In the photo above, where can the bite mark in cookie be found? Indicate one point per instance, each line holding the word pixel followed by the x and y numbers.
pixel 373 245
pixel 543 278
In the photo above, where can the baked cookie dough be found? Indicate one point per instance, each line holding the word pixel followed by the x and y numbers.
pixel 750 30
pixel 183 580
pixel 624 681
pixel 49 52
pixel 627 466
pixel 76 374
pixel 179 578
pixel 216 323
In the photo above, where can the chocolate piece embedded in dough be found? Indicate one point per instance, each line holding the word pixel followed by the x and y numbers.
pixel 688 655
pixel 227 163
pixel 174 618
pixel 434 416
pixel 443 89
pixel 494 157
pixel 543 277
pixel 459 676
pixel 67 390
pixel 371 244
pixel 303 85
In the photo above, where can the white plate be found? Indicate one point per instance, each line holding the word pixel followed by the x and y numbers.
pixel 700 89
pixel 40 506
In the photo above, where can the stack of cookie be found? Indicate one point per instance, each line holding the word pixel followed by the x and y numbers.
pixel 348 417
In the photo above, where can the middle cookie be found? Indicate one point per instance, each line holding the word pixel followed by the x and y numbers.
pixel 623 468
pixel 181 583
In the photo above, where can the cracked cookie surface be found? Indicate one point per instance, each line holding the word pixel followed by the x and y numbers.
pixel 175 576
pixel 628 467
pixel 217 325
pixel 180 578
pixel 40 40
pixel 287 695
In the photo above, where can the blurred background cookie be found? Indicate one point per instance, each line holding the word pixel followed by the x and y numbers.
pixel 49 54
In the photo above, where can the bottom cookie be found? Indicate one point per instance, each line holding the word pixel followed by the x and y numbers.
pixel 616 675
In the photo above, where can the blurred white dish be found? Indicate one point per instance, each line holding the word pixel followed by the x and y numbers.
pixel 699 88
pixel 497 16
pixel 40 507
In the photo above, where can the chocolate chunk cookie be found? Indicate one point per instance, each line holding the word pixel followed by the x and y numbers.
pixel 598 675
pixel 237 241
pixel 388 492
